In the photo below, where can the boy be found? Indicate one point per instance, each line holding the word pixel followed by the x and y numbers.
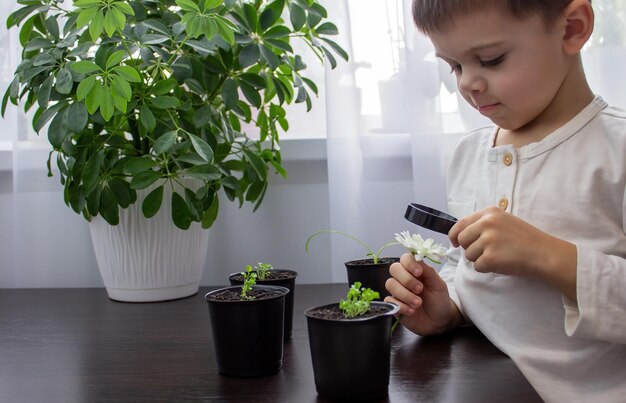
pixel 538 259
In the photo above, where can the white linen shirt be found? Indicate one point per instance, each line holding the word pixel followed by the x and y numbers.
pixel 572 185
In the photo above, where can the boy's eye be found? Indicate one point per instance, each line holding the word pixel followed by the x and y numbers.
pixel 492 62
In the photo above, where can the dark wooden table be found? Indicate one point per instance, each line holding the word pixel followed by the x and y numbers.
pixel 76 345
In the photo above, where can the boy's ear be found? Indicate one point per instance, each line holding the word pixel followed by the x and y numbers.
pixel 579 20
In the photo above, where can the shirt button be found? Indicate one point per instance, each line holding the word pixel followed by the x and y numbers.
pixel 507 159
pixel 503 203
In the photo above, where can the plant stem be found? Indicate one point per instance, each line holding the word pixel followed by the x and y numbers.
pixel 395 324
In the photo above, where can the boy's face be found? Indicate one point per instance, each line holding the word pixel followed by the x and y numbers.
pixel 510 70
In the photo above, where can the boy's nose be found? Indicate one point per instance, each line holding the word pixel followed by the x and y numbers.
pixel 470 81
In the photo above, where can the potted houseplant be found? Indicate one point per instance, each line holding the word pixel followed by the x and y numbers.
pixel 350 345
pixel 144 104
pixel 247 327
pixel 372 271
pixel 267 275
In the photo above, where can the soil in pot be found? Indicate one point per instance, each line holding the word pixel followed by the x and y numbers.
pixel 248 334
pixel 371 275
pixel 280 277
pixel 351 357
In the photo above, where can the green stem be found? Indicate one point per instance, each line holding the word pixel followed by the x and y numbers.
pixel 395 324
pixel 371 252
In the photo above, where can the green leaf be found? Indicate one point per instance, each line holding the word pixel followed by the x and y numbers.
pixel 210 214
pixel 225 31
pixel 249 55
pixel 210 28
pixel 138 164
pixel 123 7
pixel 271 14
pixel 270 57
pixel 146 118
pixel 257 163
pixel 57 131
pixel 254 80
pixel 85 87
pixel 338 49
pixel 43 59
pixel 115 58
pixel 164 102
pixel 93 200
pixel 255 190
pixel 205 172
pixel 144 179
pixel 96 26
pixel 86 3
pixel 297 16
pixel 119 102
pixel 109 209
pixel 327 28
pixel 164 142
pixel 251 94
pixel 77 117
pixel 52 26
pixel 331 58
pixel 188 5
pixel 121 191
pixel 85 67
pixel 91 174
pixel 86 16
pixel 152 203
pixel 153 39
pixel 43 95
pixel 209 4
pixel 201 147
pixel 26 30
pixel 164 86
pixel 106 103
pixel 110 24
pixel 94 98
pixel 121 87
pixel 120 18
pixel 64 81
pixel 279 31
pixel 127 73
pixel 251 17
pixel 229 94
pixel 157 26
pixel 180 211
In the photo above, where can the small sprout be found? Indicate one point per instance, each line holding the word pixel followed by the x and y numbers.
pixel 249 279
pixel 263 270
pixel 358 300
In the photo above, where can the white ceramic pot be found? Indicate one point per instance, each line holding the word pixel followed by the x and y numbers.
pixel 145 260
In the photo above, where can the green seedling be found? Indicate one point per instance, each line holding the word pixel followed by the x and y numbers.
pixel 249 279
pixel 358 300
pixel 263 270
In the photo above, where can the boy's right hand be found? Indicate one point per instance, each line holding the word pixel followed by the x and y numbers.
pixel 425 305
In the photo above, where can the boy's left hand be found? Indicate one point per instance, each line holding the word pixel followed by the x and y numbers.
pixel 499 242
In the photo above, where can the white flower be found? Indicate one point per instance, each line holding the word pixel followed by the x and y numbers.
pixel 421 248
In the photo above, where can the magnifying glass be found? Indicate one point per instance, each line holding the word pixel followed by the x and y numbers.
pixel 430 218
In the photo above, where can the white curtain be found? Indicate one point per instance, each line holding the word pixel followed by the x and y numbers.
pixel 394 102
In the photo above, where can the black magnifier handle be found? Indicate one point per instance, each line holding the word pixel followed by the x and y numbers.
pixel 429 218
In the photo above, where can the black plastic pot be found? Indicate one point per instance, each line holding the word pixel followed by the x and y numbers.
pixel 288 283
pixel 248 335
pixel 351 357
pixel 371 275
